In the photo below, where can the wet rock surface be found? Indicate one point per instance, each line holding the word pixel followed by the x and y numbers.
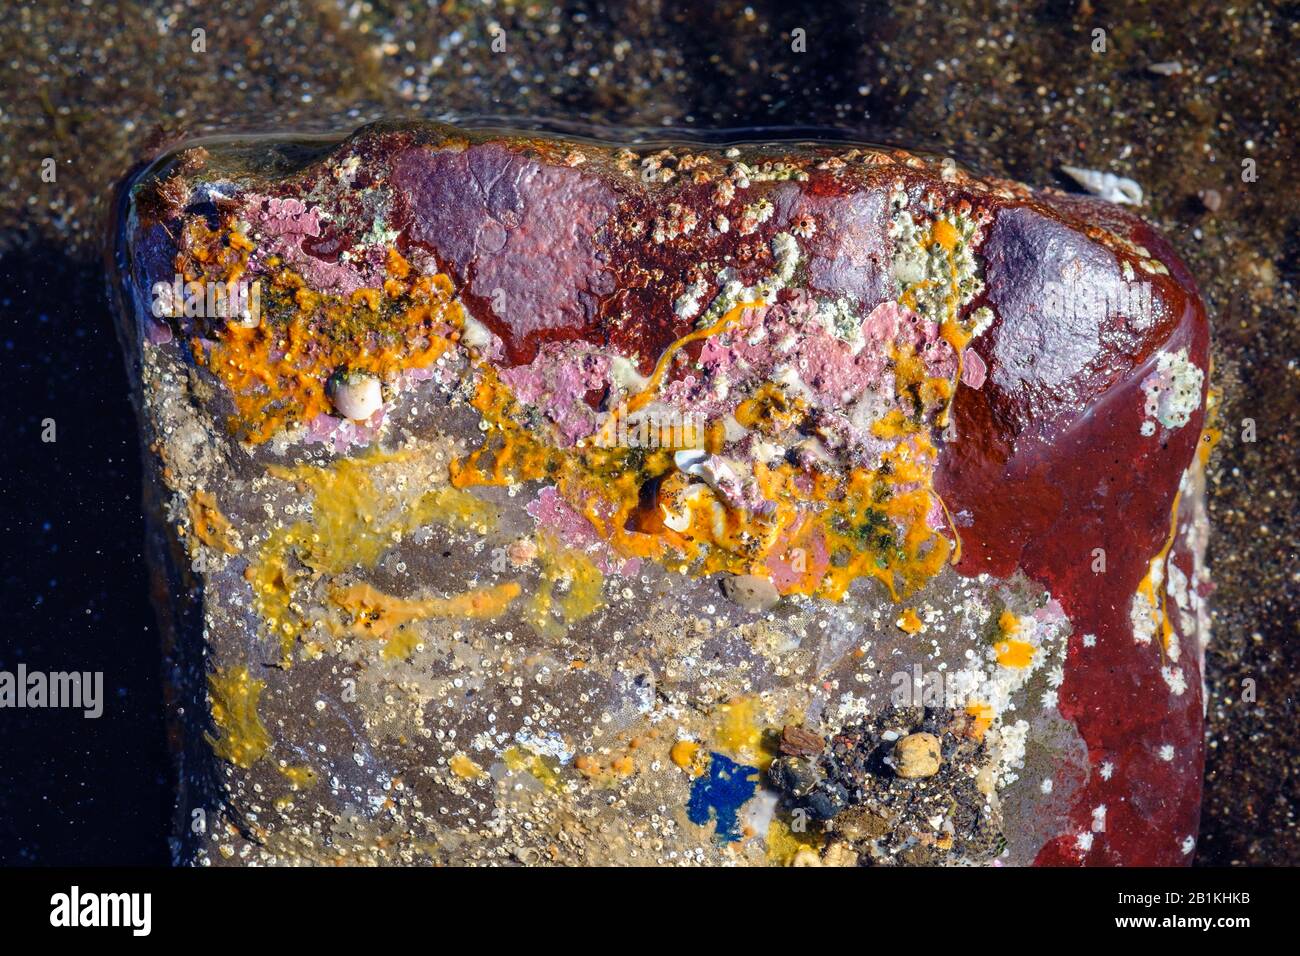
pixel 676 443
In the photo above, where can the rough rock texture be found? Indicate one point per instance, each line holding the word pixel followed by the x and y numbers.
pixel 955 423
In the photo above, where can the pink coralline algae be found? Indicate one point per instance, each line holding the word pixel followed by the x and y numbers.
pixel 559 381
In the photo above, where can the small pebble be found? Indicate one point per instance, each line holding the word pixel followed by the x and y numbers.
pixel 751 592
pixel 800 742
pixel 916 756
pixel 356 395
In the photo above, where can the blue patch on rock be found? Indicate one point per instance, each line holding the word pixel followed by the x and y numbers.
pixel 719 794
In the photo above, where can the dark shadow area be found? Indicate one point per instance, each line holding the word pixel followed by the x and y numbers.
pixel 74 590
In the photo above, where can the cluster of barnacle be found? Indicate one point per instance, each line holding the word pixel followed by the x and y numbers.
pixel 768 172
pixel 935 266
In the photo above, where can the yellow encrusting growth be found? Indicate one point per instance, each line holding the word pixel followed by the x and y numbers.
pixel 688 756
pixel 522 761
pixel 1155 596
pixel 276 371
pixel 783 844
pixel 739 732
pixel 1010 651
pixel 822 530
pixel 241 737
pixel 910 622
pixel 946 294
pixel 1210 432
pixel 372 613
pixel 647 394
pixel 300 777
pixel 465 768
pixel 352 525
pixel 211 527
pixel 981 719
pixel 576 576
pixel 1014 653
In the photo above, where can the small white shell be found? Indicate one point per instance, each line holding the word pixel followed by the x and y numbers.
pixel 1166 68
pixel 356 395
pixel 1116 189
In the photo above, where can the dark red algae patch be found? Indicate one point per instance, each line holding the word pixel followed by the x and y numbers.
pixel 1063 479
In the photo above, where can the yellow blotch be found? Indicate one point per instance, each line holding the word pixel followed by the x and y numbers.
pixel 740 732
pixel 893 425
pixel 373 613
pixel 783 844
pixel 871 524
pixel 465 768
pixel 347 529
pixel 522 761
pixel 688 756
pixel 576 576
pixel 1010 651
pixel 1210 432
pixel 981 719
pixel 910 622
pixel 622 766
pixel 661 367
pixel 609 774
pixel 1157 596
pixel 453 508
pixel 1014 653
pixel 276 372
pixel 273 583
pixel 300 777
pixel 210 526
pixel 241 737
pixel 771 409
pixel 945 234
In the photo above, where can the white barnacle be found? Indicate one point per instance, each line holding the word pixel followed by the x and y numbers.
pixel 687 305
pixel 785 250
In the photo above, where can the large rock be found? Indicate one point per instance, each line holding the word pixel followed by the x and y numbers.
pixel 518 492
